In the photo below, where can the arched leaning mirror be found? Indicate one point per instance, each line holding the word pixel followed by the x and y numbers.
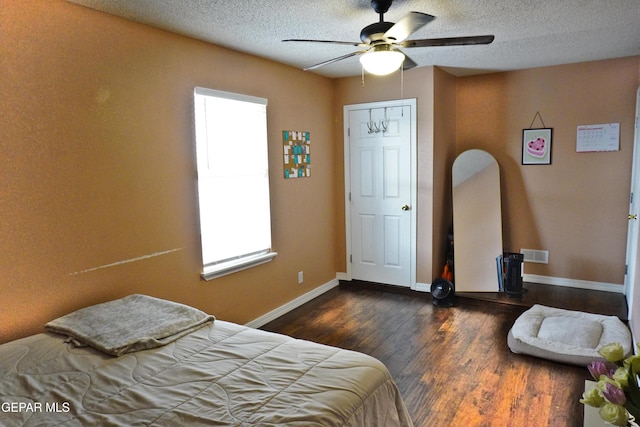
pixel 477 221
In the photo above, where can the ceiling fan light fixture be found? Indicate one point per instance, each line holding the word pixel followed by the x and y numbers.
pixel 382 60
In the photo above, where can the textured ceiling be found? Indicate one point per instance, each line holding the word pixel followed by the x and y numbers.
pixel 528 33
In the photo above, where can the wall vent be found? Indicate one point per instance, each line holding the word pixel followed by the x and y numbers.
pixel 535 255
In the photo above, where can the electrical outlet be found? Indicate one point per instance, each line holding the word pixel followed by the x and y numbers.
pixel 300 277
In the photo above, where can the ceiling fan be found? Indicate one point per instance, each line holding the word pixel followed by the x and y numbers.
pixel 381 41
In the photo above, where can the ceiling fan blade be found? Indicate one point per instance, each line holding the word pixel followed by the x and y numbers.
pixel 325 41
pixel 408 63
pixel 406 26
pixel 448 41
pixel 331 61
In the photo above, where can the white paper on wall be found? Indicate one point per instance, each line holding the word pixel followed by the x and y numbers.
pixel 603 137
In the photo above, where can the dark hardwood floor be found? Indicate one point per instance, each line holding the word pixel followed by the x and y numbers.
pixel 599 302
pixel 452 365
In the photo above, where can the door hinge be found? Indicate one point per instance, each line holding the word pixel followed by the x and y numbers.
pixel 349 132
pixel 626 269
pixel 351 259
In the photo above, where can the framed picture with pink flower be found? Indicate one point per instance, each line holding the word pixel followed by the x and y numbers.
pixel 536 146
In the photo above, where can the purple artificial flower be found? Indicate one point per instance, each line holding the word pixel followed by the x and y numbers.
pixel 614 394
pixel 597 368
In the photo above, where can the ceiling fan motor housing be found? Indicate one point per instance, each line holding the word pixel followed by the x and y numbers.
pixel 375 32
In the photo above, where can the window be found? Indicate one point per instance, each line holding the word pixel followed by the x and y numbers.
pixel 233 181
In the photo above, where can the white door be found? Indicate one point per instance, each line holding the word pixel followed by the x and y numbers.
pixel 634 211
pixel 381 192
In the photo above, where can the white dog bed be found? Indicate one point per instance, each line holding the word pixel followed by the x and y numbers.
pixel 566 336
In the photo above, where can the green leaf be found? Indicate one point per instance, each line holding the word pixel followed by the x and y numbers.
pixel 633 397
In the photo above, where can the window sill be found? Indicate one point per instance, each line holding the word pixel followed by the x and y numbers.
pixel 222 269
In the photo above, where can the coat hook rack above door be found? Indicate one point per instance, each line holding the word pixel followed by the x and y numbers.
pixel 380 126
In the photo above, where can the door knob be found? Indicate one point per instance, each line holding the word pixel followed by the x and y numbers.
pixel 630 216
pixel 406 208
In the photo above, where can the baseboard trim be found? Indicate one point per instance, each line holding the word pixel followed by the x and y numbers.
pixel 423 287
pixel 574 283
pixel 544 280
pixel 295 303
pixel 426 287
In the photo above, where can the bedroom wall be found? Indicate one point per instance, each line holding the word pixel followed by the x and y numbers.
pixel 98 180
pixel 576 208
pixel 444 147
pixel 98 196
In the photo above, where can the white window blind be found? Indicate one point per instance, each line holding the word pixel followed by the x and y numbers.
pixel 233 181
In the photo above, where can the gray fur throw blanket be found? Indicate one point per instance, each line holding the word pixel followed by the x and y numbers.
pixel 133 323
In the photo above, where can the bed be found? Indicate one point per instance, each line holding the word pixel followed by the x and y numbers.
pixel 209 372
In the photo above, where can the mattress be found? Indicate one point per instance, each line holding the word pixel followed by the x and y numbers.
pixel 221 374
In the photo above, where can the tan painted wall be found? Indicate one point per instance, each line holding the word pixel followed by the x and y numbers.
pixel 576 208
pixel 97 166
pixel 444 149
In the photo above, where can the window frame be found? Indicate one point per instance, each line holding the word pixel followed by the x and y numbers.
pixel 214 268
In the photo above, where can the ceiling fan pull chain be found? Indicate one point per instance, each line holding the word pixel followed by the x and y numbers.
pixel 402 90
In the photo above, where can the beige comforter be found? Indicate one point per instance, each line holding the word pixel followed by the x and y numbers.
pixel 222 374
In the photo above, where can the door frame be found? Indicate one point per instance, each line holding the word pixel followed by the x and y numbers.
pixel 632 262
pixel 412 103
